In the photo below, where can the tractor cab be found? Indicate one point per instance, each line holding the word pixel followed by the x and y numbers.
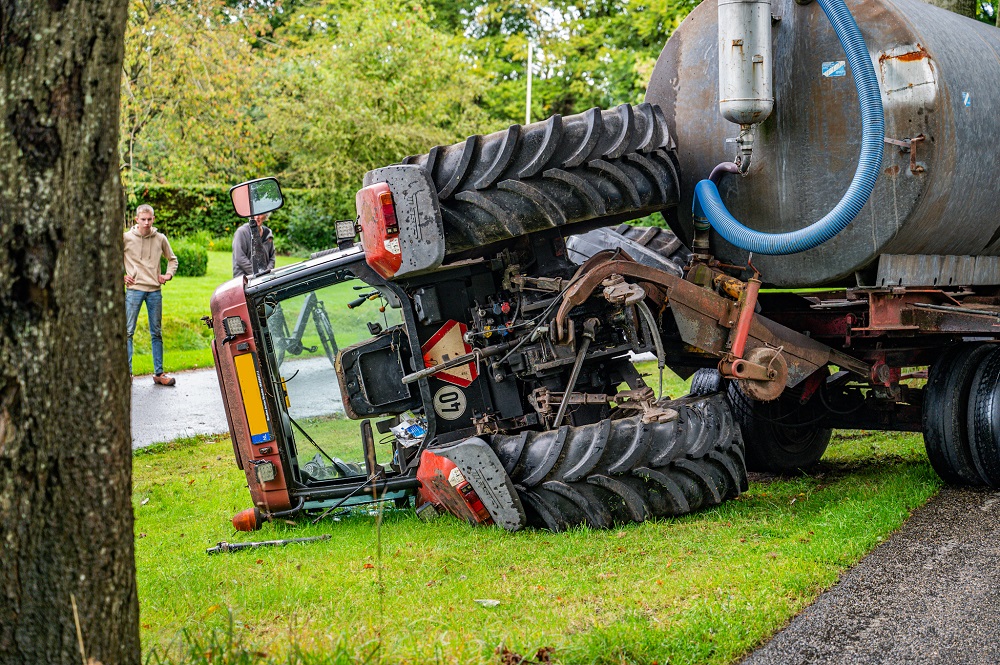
pixel 279 338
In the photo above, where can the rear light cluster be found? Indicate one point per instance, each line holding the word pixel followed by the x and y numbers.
pixel 379 229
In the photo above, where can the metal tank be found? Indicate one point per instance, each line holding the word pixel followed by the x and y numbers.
pixel 939 191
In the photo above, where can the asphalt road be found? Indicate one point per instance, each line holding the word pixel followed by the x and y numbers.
pixel 929 594
pixel 194 405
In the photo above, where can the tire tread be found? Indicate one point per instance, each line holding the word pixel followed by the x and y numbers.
pixel 619 471
pixel 564 170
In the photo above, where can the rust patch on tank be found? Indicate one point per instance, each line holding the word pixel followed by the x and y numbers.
pixel 892 170
pixel 911 56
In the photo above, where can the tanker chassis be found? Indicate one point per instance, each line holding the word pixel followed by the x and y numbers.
pixel 483 327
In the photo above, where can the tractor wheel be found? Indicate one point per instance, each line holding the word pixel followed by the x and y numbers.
pixel 780 436
pixel 984 419
pixel 946 413
pixel 649 245
pixel 602 167
pixel 706 381
pixel 619 471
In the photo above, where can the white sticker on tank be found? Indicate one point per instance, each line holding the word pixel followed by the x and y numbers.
pixel 834 69
pixel 392 245
pixel 450 403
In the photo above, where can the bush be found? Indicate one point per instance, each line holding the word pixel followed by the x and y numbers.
pixel 311 228
pixel 281 246
pixel 192 257
pixel 201 238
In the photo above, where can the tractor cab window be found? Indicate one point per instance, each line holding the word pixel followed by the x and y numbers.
pixel 307 330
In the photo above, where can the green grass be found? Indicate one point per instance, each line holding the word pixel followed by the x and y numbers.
pixel 705 588
pixel 186 340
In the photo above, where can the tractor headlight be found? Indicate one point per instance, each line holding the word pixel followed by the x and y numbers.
pixel 233 325
pixel 266 472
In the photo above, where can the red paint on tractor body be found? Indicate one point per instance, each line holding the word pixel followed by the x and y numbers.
pixel 444 486
pixel 229 300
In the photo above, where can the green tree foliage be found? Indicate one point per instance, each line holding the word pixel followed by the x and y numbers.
pixel 377 83
pixel 192 107
pixel 987 12
pixel 597 53
pixel 317 94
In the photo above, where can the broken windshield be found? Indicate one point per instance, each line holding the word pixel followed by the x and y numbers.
pixel 307 330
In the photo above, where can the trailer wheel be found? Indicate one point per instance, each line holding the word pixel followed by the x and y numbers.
pixel 984 418
pixel 706 381
pixel 946 413
pixel 619 471
pixel 780 436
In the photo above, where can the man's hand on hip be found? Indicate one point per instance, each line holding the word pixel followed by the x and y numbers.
pixel 164 279
pixel 129 280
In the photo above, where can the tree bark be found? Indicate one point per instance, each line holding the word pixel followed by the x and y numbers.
pixel 963 7
pixel 66 523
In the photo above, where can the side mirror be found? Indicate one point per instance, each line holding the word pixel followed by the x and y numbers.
pixel 255 197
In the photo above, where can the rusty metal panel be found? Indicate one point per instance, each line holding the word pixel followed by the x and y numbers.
pixel 987 270
pixel 925 270
pixel 940 78
pixel 704 319
pixel 937 270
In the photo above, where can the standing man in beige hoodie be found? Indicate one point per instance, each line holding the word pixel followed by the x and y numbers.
pixel 144 246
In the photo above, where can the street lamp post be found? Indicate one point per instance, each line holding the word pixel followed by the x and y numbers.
pixel 527 101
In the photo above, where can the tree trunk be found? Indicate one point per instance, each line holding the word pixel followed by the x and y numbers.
pixel 66 524
pixel 963 7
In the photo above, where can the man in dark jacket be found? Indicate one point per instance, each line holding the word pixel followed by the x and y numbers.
pixel 263 254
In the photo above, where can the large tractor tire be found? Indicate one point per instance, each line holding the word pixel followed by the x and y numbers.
pixel 597 167
pixel 946 413
pixel 649 245
pixel 620 471
pixel 984 419
pixel 780 436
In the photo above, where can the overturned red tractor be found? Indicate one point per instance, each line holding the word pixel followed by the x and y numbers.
pixel 482 330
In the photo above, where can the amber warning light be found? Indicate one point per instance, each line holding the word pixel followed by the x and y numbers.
pixel 379 229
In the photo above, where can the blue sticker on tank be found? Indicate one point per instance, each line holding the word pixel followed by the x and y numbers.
pixel 832 69
pixel 967 98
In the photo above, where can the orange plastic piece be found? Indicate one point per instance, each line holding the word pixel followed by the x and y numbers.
pixel 248 520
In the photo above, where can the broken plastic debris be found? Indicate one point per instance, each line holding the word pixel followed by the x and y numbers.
pixel 486 602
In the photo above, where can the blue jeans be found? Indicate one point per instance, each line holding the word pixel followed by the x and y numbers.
pixel 154 310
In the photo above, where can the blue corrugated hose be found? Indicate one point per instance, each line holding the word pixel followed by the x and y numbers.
pixel 708 204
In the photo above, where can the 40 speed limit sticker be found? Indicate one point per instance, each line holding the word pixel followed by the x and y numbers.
pixel 450 403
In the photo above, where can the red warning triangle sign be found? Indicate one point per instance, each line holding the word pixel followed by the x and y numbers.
pixel 448 343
